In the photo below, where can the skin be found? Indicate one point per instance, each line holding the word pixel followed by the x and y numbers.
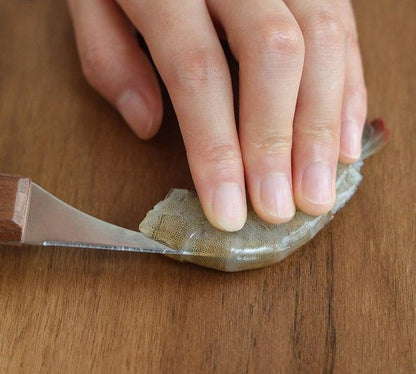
pixel 302 93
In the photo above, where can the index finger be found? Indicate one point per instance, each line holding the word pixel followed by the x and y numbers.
pixel 193 66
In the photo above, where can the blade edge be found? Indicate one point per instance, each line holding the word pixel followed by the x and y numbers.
pixel 51 222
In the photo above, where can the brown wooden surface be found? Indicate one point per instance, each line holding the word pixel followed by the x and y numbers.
pixel 344 303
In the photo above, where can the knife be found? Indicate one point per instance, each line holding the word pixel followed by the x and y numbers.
pixel 29 215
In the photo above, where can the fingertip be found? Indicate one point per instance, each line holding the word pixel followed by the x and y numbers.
pixel 276 201
pixel 136 110
pixel 350 141
pixel 229 208
pixel 313 209
pixel 273 219
pixel 347 159
pixel 316 195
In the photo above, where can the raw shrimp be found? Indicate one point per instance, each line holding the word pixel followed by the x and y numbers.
pixel 179 222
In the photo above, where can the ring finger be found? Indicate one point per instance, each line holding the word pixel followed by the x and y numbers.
pixel 318 115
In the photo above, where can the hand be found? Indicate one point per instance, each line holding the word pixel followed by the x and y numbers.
pixel 302 93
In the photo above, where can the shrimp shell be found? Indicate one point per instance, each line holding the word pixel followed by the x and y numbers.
pixel 179 222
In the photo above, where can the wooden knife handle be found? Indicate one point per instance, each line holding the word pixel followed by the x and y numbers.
pixel 14 201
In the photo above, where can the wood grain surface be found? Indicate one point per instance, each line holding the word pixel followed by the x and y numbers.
pixel 344 303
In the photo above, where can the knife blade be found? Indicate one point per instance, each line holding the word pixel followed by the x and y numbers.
pixel 29 215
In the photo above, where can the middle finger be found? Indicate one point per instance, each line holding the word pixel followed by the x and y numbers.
pixel 268 44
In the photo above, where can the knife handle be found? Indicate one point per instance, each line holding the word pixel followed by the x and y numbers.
pixel 14 201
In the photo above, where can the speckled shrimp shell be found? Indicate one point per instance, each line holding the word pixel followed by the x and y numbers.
pixel 179 222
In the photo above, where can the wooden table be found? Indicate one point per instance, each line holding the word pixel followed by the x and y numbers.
pixel 344 303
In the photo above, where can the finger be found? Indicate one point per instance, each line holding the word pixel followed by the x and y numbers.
pixel 193 66
pixel 268 44
pixel 318 114
pixel 114 64
pixel 354 108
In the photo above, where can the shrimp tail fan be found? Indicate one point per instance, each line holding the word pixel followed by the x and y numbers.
pixel 375 135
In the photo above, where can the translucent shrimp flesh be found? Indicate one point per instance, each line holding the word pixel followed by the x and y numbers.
pixel 179 222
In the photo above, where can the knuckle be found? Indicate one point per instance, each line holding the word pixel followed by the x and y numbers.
pixel 273 143
pixel 225 157
pixel 139 5
pixel 325 133
pixel 279 36
pixel 351 37
pixel 357 94
pixel 362 91
pixel 96 62
pixel 325 28
pixel 194 67
pixel 358 91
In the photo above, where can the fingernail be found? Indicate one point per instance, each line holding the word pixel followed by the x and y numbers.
pixel 135 111
pixel 351 140
pixel 276 196
pixel 317 183
pixel 229 206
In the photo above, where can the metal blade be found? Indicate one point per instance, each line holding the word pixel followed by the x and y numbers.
pixel 51 222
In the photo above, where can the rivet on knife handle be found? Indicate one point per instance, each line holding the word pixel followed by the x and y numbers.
pixel 14 201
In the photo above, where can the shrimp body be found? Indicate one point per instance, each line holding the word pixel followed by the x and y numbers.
pixel 179 222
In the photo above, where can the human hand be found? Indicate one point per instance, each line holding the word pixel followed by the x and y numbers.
pixel 302 93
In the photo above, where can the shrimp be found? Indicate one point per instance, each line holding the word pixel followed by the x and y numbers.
pixel 179 222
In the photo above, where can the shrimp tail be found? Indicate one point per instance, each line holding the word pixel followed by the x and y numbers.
pixel 375 135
